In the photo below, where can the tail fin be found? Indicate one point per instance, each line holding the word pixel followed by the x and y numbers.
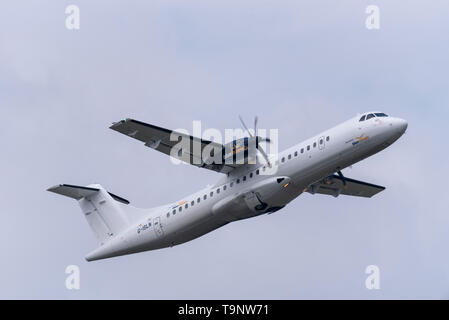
pixel 104 211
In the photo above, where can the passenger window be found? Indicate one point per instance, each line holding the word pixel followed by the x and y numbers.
pixel 283 159
pixel 251 175
pixel 224 187
pixel 174 211
pixel 186 206
pixel 238 181
pixel 289 156
pixel 257 171
pixel 327 138
pixel 198 200
pixel 180 209
pixel 205 197
pixel 192 203
pixel 369 116
pixel 321 141
pixel 302 150
pixel 244 178
pixel 296 153
pixel 308 148
pixel 211 194
pixel 314 144
pixel 168 214
pixel 232 183
pixel 218 190
pixel 362 118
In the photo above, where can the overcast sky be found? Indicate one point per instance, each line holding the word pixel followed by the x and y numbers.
pixel 301 66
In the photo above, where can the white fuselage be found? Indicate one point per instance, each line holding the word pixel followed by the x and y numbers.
pixel 255 189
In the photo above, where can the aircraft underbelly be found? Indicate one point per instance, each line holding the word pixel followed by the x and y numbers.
pixel 196 230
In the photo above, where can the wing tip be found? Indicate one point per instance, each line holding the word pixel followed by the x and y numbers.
pixel 53 188
pixel 115 124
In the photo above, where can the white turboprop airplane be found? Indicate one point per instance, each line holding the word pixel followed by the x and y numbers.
pixel 246 190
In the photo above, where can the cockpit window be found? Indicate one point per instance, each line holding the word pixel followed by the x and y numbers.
pixel 381 114
pixel 362 118
pixel 369 116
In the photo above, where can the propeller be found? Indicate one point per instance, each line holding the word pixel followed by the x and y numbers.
pixel 258 139
pixel 244 125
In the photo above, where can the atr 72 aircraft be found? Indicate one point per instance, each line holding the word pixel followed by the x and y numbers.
pixel 245 190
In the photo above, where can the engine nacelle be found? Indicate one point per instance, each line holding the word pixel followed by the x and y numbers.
pixel 268 192
pixel 265 196
pixel 241 151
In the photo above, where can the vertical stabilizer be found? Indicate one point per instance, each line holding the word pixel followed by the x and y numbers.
pixel 103 211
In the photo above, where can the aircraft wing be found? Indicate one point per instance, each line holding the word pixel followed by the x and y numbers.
pixel 161 139
pixel 334 185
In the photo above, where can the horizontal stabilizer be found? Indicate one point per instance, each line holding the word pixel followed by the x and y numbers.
pixel 79 192
pixel 75 192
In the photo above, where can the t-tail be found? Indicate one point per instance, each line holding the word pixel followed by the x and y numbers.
pixel 106 213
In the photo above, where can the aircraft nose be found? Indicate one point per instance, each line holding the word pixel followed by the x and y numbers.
pixel 398 125
pixel 402 125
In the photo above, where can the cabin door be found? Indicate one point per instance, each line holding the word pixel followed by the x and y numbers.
pixel 158 227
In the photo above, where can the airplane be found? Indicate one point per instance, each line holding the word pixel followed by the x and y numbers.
pixel 246 189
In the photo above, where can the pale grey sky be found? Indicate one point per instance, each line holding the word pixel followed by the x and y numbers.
pixel 301 66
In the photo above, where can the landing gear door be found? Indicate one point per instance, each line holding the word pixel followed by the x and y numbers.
pixel 158 227
pixel 253 202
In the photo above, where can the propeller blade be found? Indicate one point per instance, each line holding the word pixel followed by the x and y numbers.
pixel 255 126
pixel 264 139
pixel 262 151
pixel 244 126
